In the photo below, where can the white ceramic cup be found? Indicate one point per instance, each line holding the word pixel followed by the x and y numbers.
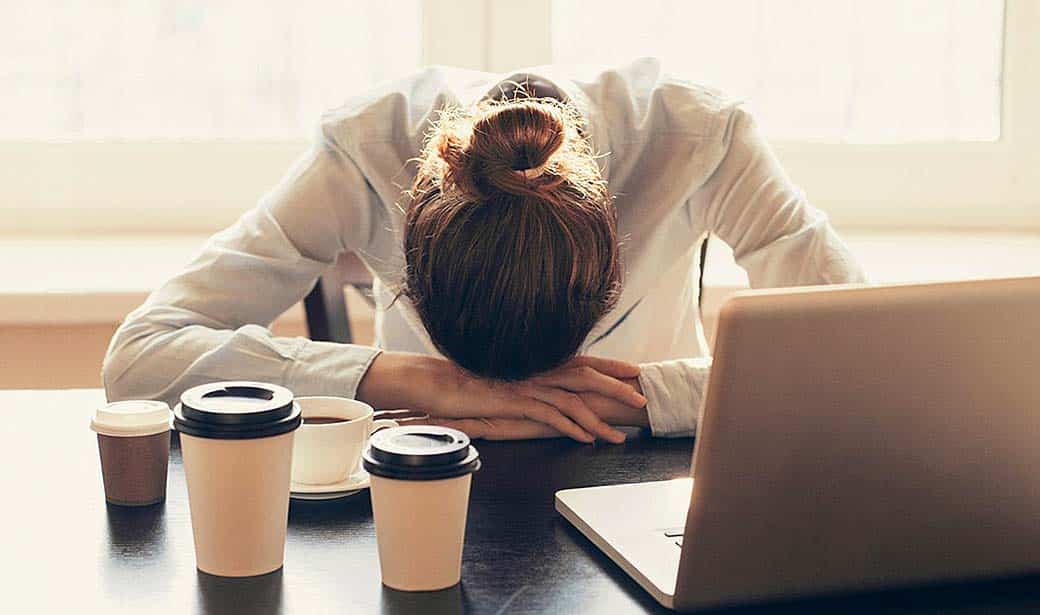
pixel 328 453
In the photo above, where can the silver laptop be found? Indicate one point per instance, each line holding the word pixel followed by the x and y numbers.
pixel 852 438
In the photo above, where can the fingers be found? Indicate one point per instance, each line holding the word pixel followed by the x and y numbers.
pixel 508 400
pixel 519 429
pixel 515 401
pixel 610 367
pixel 586 379
pixel 550 414
pixel 615 412
pixel 574 408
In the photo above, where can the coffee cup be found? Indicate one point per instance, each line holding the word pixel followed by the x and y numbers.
pixel 420 494
pixel 134 446
pixel 329 443
pixel 237 442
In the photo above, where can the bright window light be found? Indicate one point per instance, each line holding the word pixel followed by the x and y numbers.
pixel 193 69
pixel 854 71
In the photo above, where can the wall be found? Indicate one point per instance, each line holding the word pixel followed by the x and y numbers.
pixel 69 356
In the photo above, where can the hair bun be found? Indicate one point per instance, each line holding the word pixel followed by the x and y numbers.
pixel 510 148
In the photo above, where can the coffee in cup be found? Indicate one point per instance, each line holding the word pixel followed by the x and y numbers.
pixel 237 442
pixel 420 494
pixel 134 445
pixel 329 444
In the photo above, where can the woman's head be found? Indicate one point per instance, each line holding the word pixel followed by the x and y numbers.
pixel 510 237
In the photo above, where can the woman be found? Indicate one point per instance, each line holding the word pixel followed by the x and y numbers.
pixel 533 257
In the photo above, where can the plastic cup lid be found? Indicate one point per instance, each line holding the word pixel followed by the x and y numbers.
pixel 420 452
pixel 131 418
pixel 236 410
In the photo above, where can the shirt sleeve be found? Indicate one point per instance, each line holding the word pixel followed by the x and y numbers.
pixel 210 321
pixel 674 390
pixel 776 236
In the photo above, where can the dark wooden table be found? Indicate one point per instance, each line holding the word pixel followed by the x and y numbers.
pixel 65 550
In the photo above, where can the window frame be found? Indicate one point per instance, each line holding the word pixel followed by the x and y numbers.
pixel 95 187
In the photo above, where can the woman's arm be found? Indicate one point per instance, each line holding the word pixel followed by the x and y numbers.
pixel 777 237
pixel 209 322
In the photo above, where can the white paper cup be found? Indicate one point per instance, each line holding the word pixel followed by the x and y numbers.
pixel 237 441
pixel 420 526
pixel 421 479
pixel 238 492
pixel 328 453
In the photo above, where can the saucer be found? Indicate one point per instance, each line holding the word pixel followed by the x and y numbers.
pixel 317 497
pixel 353 484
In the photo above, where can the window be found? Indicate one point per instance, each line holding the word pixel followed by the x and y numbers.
pixel 877 71
pixel 176 115
pixel 193 69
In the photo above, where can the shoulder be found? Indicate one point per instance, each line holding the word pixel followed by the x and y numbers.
pixel 399 109
pixel 643 98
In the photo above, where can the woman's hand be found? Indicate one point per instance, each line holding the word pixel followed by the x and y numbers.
pixel 616 413
pixel 558 399
pixel 608 409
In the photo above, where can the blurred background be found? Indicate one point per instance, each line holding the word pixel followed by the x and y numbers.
pixel 130 131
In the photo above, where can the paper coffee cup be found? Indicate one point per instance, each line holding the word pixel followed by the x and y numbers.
pixel 420 494
pixel 237 441
pixel 134 446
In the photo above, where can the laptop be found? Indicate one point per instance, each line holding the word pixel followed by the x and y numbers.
pixel 852 438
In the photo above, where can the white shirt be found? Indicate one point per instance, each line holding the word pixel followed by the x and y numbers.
pixel 681 161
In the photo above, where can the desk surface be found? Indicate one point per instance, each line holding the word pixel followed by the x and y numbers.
pixel 66 551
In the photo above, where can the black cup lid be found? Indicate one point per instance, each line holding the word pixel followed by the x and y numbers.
pixel 236 410
pixel 420 452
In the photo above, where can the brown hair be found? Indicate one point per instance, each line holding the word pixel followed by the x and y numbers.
pixel 510 237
